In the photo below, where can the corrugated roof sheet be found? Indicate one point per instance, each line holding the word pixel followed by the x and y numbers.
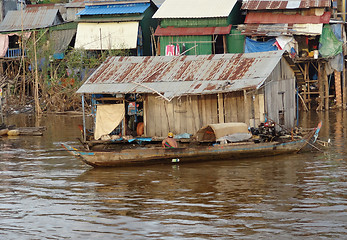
pixel 115 9
pixel 33 18
pixel 158 2
pixel 76 4
pixel 61 39
pixel 268 17
pixel 195 8
pixel 183 75
pixel 288 4
pixel 173 31
pixel 274 30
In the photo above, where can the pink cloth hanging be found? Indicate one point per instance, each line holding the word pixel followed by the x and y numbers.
pixel 177 50
pixel 170 50
pixel 3 44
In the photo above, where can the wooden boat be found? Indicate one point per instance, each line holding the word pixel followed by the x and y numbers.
pixel 148 154
pixel 22 131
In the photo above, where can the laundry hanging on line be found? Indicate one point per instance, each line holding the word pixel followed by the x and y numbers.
pixel 172 50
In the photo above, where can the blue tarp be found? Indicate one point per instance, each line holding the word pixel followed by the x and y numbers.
pixel 255 46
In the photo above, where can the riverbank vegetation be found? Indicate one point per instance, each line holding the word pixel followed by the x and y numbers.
pixel 50 84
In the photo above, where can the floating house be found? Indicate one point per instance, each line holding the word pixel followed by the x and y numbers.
pixel 185 93
pixel 197 27
pixel 117 25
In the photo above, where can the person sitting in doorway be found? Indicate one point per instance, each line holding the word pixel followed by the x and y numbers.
pixel 169 142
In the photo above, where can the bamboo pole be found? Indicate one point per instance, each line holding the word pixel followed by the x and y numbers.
pixel 36 96
pixel 23 51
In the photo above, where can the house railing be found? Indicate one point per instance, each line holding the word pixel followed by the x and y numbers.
pixel 15 52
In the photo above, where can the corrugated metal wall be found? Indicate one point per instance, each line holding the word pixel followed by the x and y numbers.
pixel 203 44
pixel 235 42
pixel 280 95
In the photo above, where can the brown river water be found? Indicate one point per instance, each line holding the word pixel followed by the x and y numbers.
pixel 47 194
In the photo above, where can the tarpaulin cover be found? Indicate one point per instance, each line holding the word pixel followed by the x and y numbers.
pixel 3 44
pixel 337 62
pixel 108 117
pixel 255 46
pixel 212 132
pixel 329 46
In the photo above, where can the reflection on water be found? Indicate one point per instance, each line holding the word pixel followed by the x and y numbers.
pixel 47 194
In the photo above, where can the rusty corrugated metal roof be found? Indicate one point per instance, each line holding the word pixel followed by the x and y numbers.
pixel 183 75
pixel 268 18
pixel 33 18
pixel 197 31
pixel 287 4
pixel 275 30
pixel 76 4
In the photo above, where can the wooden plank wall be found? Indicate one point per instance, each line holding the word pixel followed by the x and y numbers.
pixel 234 107
pixel 186 114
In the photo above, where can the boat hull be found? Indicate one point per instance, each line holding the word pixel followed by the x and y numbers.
pixel 156 155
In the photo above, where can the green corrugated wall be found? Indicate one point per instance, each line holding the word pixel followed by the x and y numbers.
pixel 235 41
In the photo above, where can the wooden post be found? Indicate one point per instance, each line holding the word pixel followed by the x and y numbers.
pixel 338 88
pixel 84 120
pixel 225 47
pixel 220 108
pixel 1 67
pixel 246 107
pixel 344 90
pixel 123 122
pixel 320 85
pixel 307 84
pixel 326 90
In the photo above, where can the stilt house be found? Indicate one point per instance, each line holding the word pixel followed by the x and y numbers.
pixel 313 35
pixel 117 25
pixel 184 93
